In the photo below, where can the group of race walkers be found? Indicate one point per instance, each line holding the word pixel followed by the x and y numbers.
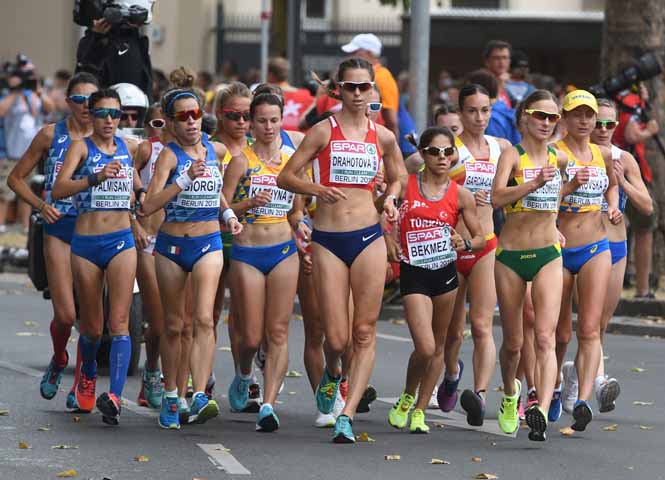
pixel 271 214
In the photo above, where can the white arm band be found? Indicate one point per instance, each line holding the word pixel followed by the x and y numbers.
pixel 184 181
pixel 227 215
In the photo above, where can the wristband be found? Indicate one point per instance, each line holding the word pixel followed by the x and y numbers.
pixel 184 181
pixel 467 245
pixel 93 180
pixel 306 220
pixel 227 215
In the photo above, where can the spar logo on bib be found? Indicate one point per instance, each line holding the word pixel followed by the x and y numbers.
pixel 348 147
pixel 480 167
pixel 531 173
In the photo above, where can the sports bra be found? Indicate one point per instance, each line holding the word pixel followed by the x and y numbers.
pixel 546 198
pixel 589 197
pixel 348 163
pixel 475 173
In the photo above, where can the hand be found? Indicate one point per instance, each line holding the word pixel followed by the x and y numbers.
pixel 389 208
pixel 110 170
pixel 394 249
pixel 481 198
pixel 581 176
pixel 197 168
pixel 50 214
pixel 652 127
pixel 619 172
pixel 330 194
pixel 101 26
pixel 545 175
pixel 235 226
pixel 562 239
pixel 141 237
pixel 307 264
pixel 303 236
pixel 615 215
pixel 457 241
pixel 264 197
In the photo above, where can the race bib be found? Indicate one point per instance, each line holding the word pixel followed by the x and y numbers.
pixel 591 193
pixel 430 248
pixel 113 193
pixel 205 190
pixel 353 163
pixel 282 200
pixel 479 176
pixel 546 198
pixel 56 171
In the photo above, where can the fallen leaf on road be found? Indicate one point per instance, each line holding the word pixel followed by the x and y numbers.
pixel 646 427
pixel 4 413
pixel 498 389
pixel 30 323
pixel 638 369
pixel 293 374
pixel 524 426
pixel 23 445
pixel 642 404
pixel 44 429
pixel 392 457
pixel 29 334
pixel 630 467
pixel 279 402
pixel 398 321
pixel 76 419
pixel 438 461
pixel 567 431
pixel 224 349
pixel 67 473
pixel 141 458
pixel 476 459
pixel 485 476
pixel 297 317
pixel 611 428
pixel 292 393
pixel 65 447
pixel 364 437
pixel 439 424
pixel 466 334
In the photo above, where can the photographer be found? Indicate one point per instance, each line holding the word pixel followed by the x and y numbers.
pixel 113 47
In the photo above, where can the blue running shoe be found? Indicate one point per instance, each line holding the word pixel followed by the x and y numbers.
pixel 71 403
pixel 343 432
pixel 183 410
pixel 202 409
pixel 554 413
pixel 50 383
pixel 168 415
pixel 326 392
pixel 239 393
pixel 266 420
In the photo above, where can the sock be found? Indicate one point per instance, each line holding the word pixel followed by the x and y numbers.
pixel 60 336
pixel 452 377
pixel 199 393
pixel 89 349
pixel 558 389
pixel 171 394
pixel 121 355
pixel 242 375
pixel 77 370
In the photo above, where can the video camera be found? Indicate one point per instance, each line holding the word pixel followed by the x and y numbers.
pixel 646 67
pixel 22 69
pixel 119 14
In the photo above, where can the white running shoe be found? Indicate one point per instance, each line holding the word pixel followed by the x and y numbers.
pixel 324 420
pixel 433 401
pixel 570 386
pixel 606 394
pixel 339 405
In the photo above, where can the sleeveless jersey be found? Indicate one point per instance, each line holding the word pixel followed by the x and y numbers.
pixel 476 174
pixel 623 198
pixel 112 193
pixel 426 226
pixel 589 197
pixel 258 177
pixel 348 163
pixel 148 170
pixel 54 161
pixel 546 198
pixel 201 200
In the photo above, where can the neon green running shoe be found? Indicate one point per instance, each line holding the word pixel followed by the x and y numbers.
pixel 509 420
pixel 418 424
pixel 399 414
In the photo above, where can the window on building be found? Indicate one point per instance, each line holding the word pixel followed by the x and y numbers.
pixel 476 3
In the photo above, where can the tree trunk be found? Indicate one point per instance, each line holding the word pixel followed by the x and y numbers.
pixel 632 28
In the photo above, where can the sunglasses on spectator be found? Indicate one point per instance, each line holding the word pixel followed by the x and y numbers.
pixel 157 123
pixel 79 99
pixel 374 107
pixel 608 124
pixel 436 151
pixel 235 115
pixel 185 115
pixel 114 113
pixel 542 115
pixel 129 116
pixel 352 86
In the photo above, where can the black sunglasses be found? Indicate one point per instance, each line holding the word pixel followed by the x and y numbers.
pixel 128 116
pixel 436 151
pixel 352 86
pixel 235 115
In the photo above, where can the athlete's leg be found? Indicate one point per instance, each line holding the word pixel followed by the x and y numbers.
pixel 564 328
pixel 455 334
pixel 313 351
pixel 186 339
pixel 152 308
pixel 527 364
pixel 611 301
pixel 418 309
pixel 643 246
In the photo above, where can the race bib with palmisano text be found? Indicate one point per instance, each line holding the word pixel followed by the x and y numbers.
pixel 113 193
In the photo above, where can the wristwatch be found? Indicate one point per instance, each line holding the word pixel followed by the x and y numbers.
pixel 467 245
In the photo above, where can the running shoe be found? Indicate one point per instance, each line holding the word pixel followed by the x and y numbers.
pixel 202 409
pixel 606 395
pixel 537 422
pixel 169 417
pixel 520 409
pixel 508 416
pixel 554 412
pixel 433 401
pixel 255 399
pixel 447 394
pixel 85 393
pixel 343 432
pixel 326 392
pixel 210 386
pixel 152 388
pixel 71 402
pixel 531 399
pixel 418 424
pixel 48 387
pixel 474 406
pixel 260 358
pixel 183 410
pixel 238 393
pixel 369 395
pixel 109 405
pixel 582 415
pixel 340 403
pixel 399 414
pixel 570 387
pixel 324 420
pixel 140 400
pixel 266 420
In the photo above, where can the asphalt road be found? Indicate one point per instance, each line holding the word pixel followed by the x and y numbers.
pixel 229 446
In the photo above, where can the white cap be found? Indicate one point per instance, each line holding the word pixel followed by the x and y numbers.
pixel 364 41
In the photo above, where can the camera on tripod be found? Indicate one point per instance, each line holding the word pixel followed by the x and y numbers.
pixel 646 67
pixel 23 69
pixel 118 13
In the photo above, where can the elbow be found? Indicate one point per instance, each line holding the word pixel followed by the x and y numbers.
pixel 496 200
pixel 283 181
pixel 647 210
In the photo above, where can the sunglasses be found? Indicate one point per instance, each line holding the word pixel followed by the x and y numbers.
pixel 185 115
pixel 114 113
pixel 129 116
pixel 374 107
pixel 352 86
pixel 541 115
pixel 608 124
pixel 79 99
pixel 436 151
pixel 235 115
pixel 157 123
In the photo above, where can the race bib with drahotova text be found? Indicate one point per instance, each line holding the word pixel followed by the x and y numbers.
pixel 353 163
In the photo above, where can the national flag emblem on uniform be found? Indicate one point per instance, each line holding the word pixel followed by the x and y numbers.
pixel 173 250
